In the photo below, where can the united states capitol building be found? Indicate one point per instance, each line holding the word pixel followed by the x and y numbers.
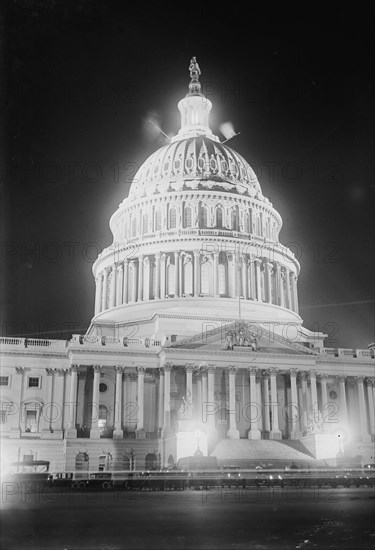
pixel 196 345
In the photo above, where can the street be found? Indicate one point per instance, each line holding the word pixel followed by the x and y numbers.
pixel 286 518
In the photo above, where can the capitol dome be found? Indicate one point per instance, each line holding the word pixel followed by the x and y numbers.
pixel 194 240
pixel 194 163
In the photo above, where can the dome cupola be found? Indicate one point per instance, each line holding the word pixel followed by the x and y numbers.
pixel 195 109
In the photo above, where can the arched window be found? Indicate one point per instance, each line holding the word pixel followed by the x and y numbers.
pixel 134 226
pixel 187 217
pixel 172 218
pixel 219 217
pixel 203 217
pixel 157 220
pixel 145 224
pixel 205 278
pixel 222 280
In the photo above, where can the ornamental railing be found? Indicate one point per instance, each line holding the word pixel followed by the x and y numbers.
pixel 8 342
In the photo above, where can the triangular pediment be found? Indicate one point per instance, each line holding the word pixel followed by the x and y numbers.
pixel 242 337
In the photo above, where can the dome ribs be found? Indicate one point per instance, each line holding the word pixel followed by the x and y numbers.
pixel 194 158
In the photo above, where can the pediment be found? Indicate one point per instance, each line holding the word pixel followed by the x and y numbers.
pixel 242 337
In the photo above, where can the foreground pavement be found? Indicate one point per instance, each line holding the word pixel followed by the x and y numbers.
pixel 214 519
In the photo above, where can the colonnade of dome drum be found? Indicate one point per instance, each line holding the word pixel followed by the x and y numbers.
pixel 183 245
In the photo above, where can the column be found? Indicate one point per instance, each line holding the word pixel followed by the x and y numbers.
pixel 268 289
pixel 81 398
pixel 58 396
pixel 211 407
pixel 244 277
pixel 140 278
pixel 18 426
pixel 255 409
pixel 176 273
pixel 204 385
pixel 95 432
pixel 323 388
pixel 112 290
pixel 141 403
pixel 303 378
pixel 251 279
pixel 282 294
pixel 370 400
pixel 125 296
pixel 71 432
pixel 343 404
pixel 216 273
pixel 364 435
pixel 295 292
pixel 232 433
pixel 277 284
pixel 314 397
pixel 120 284
pixel 105 289
pixel 161 400
pixel 198 400
pixel 275 431
pixel 197 273
pixel 189 367
pixel 234 276
pixel 293 408
pixel 180 272
pixel 98 294
pixel 288 304
pixel 147 273
pixel 47 412
pixel 258 286
pixel 135 285
pixel 266 404
pixel 117 432
pixel 163 259
pixel 167 396
pixel 157 276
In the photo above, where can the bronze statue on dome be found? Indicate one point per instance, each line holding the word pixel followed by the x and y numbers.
pixel 194 69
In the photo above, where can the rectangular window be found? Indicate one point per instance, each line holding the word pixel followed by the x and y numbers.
pixel 34 381
pixel 4 380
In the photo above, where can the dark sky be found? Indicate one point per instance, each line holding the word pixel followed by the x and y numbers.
pixel 81 78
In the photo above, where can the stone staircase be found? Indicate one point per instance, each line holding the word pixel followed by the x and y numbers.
pixel 270 453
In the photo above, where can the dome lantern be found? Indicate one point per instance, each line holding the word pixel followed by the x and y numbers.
pixel 194 108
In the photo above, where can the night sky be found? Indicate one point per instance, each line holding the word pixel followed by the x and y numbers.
pixel 81 78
